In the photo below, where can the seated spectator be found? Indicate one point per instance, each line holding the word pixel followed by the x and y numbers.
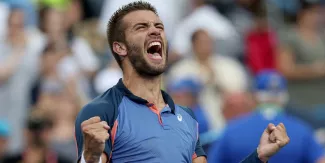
pixel 301 59
pixel 62 134
pixel 19 56
pixel 37 139
pixel 260 45
pixel 58 72
pixel 219 75
pixel 55 28
pixel 216 25
pixel 239 137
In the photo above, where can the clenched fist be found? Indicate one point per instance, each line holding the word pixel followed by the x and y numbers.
pixel 95 134
pixel 272 140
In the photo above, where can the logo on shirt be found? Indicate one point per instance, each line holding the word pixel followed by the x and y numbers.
pixel 179 117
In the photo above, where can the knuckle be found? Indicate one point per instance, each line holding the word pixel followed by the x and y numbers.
pixel 83 123
pixel 104 122
pixel 84 129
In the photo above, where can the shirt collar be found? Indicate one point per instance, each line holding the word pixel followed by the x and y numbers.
pixel 126 92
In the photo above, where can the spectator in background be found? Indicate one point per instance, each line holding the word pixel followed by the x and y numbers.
pixel 63 140
pixel 57 29
pixel 58 72
pixel 37 137
pixel 205 17
pixel 219 75
pixel 4 135
pixel 239 136
pixel 260 44
pixel 19 56
pixel 301 58
pixel 241 17
pixel 107 77
pixel 185 92
pixel 28 7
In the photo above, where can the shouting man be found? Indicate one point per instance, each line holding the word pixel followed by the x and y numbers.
pixel 135 121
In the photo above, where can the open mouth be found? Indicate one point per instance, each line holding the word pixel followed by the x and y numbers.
pixel 154 50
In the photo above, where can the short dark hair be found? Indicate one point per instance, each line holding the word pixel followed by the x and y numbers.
pixel 116 28
pixel 44 10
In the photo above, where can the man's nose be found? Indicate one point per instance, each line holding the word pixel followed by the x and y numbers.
pixel 154 31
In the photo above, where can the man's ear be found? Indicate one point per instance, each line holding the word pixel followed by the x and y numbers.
pixel 119 48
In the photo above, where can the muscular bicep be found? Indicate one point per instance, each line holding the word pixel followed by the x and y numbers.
pixel 201 159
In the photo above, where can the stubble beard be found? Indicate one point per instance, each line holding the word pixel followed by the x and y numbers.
pixel 141 66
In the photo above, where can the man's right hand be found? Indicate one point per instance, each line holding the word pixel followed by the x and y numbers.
pixel 95 134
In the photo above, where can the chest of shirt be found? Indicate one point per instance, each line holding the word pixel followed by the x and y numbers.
pixel 142 134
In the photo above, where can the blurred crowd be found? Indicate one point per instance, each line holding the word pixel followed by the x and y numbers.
pixel 238 64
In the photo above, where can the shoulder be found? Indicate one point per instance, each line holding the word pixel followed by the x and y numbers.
pixel 104 106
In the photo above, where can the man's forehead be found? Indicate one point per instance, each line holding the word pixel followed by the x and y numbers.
pixel 141 16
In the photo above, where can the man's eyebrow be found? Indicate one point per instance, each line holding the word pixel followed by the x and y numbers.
pixel 139 24
pixel 159 24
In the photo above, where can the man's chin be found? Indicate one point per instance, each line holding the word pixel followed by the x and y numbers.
pixel 151 72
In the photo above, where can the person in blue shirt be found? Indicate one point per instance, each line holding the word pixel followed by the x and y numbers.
pixel 135 121
pixel 185 92
pixel 241 134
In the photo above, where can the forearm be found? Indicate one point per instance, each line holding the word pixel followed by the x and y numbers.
pixel 301 72
pixel 8 67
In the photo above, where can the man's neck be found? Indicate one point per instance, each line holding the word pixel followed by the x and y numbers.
pixel 148 89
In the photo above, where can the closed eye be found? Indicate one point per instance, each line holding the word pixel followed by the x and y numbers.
pixel 160 27
pixel 140 27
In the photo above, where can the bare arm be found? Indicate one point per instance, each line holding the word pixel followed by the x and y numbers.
pixel 200 160
pixel 8 67
pixel 286 65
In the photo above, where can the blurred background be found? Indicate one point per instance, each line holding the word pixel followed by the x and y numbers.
pixel 239 64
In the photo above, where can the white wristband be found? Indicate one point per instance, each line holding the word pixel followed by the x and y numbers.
pixel 84 161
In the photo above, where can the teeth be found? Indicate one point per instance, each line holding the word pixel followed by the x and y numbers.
pixel 154 43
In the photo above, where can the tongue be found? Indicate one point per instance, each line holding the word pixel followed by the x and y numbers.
pixel 155 56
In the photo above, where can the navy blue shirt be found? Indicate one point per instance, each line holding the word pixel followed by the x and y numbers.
pixel 140 133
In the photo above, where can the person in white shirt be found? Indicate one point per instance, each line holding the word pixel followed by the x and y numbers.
pixel 19 56
pixel 208 18
pixel 219 74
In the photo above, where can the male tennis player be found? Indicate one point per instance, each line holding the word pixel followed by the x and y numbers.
pixel 135 121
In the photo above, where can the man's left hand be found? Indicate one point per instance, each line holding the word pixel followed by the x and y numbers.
pixel 272 140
